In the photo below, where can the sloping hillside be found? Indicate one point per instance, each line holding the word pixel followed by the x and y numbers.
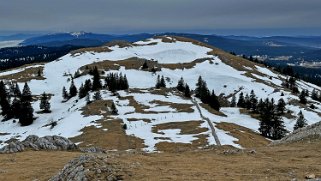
pixel 155 119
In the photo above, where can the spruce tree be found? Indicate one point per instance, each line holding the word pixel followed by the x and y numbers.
pixel 82 92
pixel 280 106
pixel 241 101
pixel 44 103
pixel 247 102
pixel 300 122
pixel 16 107
pixel 278 130
pixel 96 80
pixel 73 89
pixel 145 66
pixel 181 85
pixel 233 101
pixel 162 82
pixel 214 103
pixel 199 87
pixel 97 96
pixel 26 111
pixel 314 95
pixel 65 95
pixel 17 91
pixel 302 97
pixel 87 86
pixel 4 101
pixel 253 101
pixel 187 91
pixel 26 93
pixel 114 110
pixel 158 84
pixel 125 83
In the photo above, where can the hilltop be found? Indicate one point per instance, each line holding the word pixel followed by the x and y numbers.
pixel 160 119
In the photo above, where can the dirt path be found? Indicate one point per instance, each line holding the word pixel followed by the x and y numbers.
pixel 208 121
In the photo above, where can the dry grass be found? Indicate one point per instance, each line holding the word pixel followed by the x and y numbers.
pixel 269 163
pixel 179 107
pixel 99 107
pixel 25 75
pixel 31 165
pixel 90 49
pixel 246 137
pixel 114 138
pixel 284 162
pixel 211 110
pixel 187 127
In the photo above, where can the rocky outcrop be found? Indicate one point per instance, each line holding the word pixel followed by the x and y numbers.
pixel 88 167
pixel 40 143
pixel 311 131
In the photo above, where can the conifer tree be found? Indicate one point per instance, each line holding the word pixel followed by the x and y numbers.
pixel 162 82
pixel 4 101
pixel 44 103
pixel 145 66
pixel 82 92
pixel 158 84
pixel 302 97
pixel 97 96
pixel 65 95
pixel 199 87
pixel 278 129
pixel 187 91
pixel 233 101
pixel 181 85
pixel 114 110
pixel 314 95
pixel 280 106
pixel 73 89
pixel 247 102
pixel 241 101
pixel 16 107
pixel 17 91
pixel 125 83
pixel 300 122
pixel 26 93
pixel 214 103
pixel 253 101
pixel 26 111
pixel 87 86
pixel 96 80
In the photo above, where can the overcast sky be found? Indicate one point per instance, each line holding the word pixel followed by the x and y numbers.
pixel 134 16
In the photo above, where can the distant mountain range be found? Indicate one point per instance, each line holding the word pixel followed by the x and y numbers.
pixel 273 49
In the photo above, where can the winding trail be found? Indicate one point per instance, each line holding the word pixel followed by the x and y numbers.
pixel 218 143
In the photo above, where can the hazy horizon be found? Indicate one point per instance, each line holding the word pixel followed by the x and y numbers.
pixel 222 17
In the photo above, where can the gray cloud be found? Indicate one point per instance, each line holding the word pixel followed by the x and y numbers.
pixel 121 16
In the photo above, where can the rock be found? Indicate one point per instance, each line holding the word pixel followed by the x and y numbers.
pixel 37 143
pixel 87 167
pixel 310 176
pixel 311 131
pixel 92 150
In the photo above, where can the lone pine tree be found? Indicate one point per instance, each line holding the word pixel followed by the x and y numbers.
pixel 300 122
pixel 44 103
pixel 26 111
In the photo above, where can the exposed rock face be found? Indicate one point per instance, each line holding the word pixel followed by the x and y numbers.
pixel 88 167
pixel 311 131
pixel 40 143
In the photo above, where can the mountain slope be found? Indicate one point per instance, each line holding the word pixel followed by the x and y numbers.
pixel 156 119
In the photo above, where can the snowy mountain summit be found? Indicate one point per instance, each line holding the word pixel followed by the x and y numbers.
pixel 158 94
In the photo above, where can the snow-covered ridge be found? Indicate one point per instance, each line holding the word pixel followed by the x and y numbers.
pixel 223 78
